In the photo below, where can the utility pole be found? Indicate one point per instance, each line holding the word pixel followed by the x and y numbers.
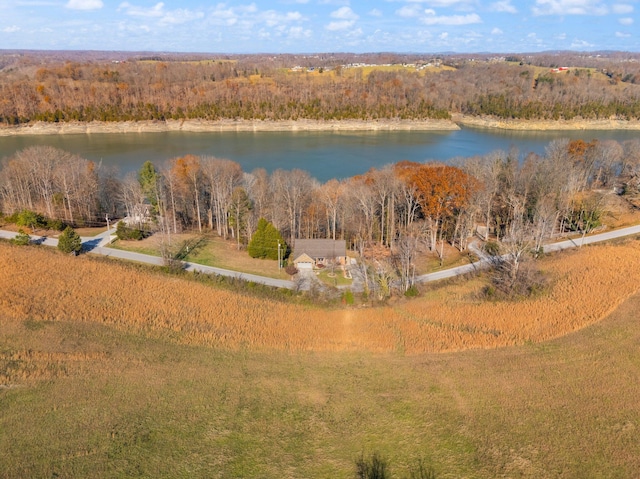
pixel 279 262
pixel 107 218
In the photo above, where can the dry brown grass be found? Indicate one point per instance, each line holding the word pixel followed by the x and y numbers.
pixel 39 284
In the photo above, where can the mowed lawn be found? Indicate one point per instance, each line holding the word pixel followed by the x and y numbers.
pixel 209 250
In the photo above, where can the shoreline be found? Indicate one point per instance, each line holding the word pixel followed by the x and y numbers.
pixel 544 125
pixel 159 126
pixel 205 126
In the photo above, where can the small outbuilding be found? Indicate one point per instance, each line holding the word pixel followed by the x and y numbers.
pixel 317 253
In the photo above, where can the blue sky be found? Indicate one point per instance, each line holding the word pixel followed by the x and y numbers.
pixel 308 26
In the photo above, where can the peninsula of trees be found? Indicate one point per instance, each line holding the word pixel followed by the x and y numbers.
pixel 85 87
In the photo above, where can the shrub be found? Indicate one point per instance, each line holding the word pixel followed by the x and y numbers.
pixel 528 281
pixel 291 270
pixel 420 471
pixel 347 297
pixel 30 219
pixel 492 248
pixel 69 241
pixel 412 292
pixel 123 232
pixel 54 224
pixel 374 467
pixel 21 238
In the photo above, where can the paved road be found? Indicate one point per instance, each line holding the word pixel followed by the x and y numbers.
pixel 96 245
pixel 576 243
pixel 572 243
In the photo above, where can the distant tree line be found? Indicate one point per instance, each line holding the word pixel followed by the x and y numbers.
pixel 259 87
pixel 514 204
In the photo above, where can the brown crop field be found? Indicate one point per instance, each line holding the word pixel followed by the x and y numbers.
pixel 112 370
pixel 41 285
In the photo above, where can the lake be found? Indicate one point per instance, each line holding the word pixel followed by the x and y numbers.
pixel 324 155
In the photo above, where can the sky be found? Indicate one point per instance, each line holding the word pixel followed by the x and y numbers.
pixel 313 26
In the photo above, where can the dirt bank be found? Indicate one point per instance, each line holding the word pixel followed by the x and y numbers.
pixel 42 128
pixel 544 125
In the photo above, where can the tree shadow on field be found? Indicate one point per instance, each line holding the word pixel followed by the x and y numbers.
pixel 190 246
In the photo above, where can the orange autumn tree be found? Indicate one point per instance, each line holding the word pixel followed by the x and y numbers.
pixel 186 170
pixel 442 192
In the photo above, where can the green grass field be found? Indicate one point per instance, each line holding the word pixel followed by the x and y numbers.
pixel 208 250
pixel 85 400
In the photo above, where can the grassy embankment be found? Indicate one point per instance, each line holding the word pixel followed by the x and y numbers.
pixel 111 371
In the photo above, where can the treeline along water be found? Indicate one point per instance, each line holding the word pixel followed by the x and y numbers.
pixel 324 155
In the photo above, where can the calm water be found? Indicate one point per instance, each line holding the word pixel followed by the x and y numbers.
pixel 324 155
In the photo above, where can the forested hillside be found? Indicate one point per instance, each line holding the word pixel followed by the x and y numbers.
pixel 86 87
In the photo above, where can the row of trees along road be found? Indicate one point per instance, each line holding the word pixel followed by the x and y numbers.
pixel 516 203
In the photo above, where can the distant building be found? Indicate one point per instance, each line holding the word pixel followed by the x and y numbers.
pixel 139 215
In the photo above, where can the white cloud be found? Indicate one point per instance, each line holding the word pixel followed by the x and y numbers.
pixel 165 17
pixel 299 33
pixel 622 9
pixel 11 29
pixel 622 35
pixel 581 44
pixel 345 19
pixel 342 25
pixel 247 19
pixel 443 36
pixel 131 28
pixel 496 31
pixel 569 7
pixel 344 13
pixel 33 3
pixel 626 21
pixel 503 6
pixel 409 11
pixel 432 19
pixel 273 18
pixel 177 17
pixel 334 2
pixel 375 13
pixel 439 3
pixel 84 4
pixel 156 11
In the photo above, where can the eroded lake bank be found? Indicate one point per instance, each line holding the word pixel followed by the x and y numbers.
pixel 204 126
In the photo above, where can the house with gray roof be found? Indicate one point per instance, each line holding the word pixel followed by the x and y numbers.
pixel 317 253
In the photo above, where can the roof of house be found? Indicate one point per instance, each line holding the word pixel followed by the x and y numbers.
pixel 320 248
pixel 303 258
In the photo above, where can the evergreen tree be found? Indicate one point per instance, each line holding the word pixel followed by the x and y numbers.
pixel 69 241
pixel 265 241
pixel 148 179
pixel 22 238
